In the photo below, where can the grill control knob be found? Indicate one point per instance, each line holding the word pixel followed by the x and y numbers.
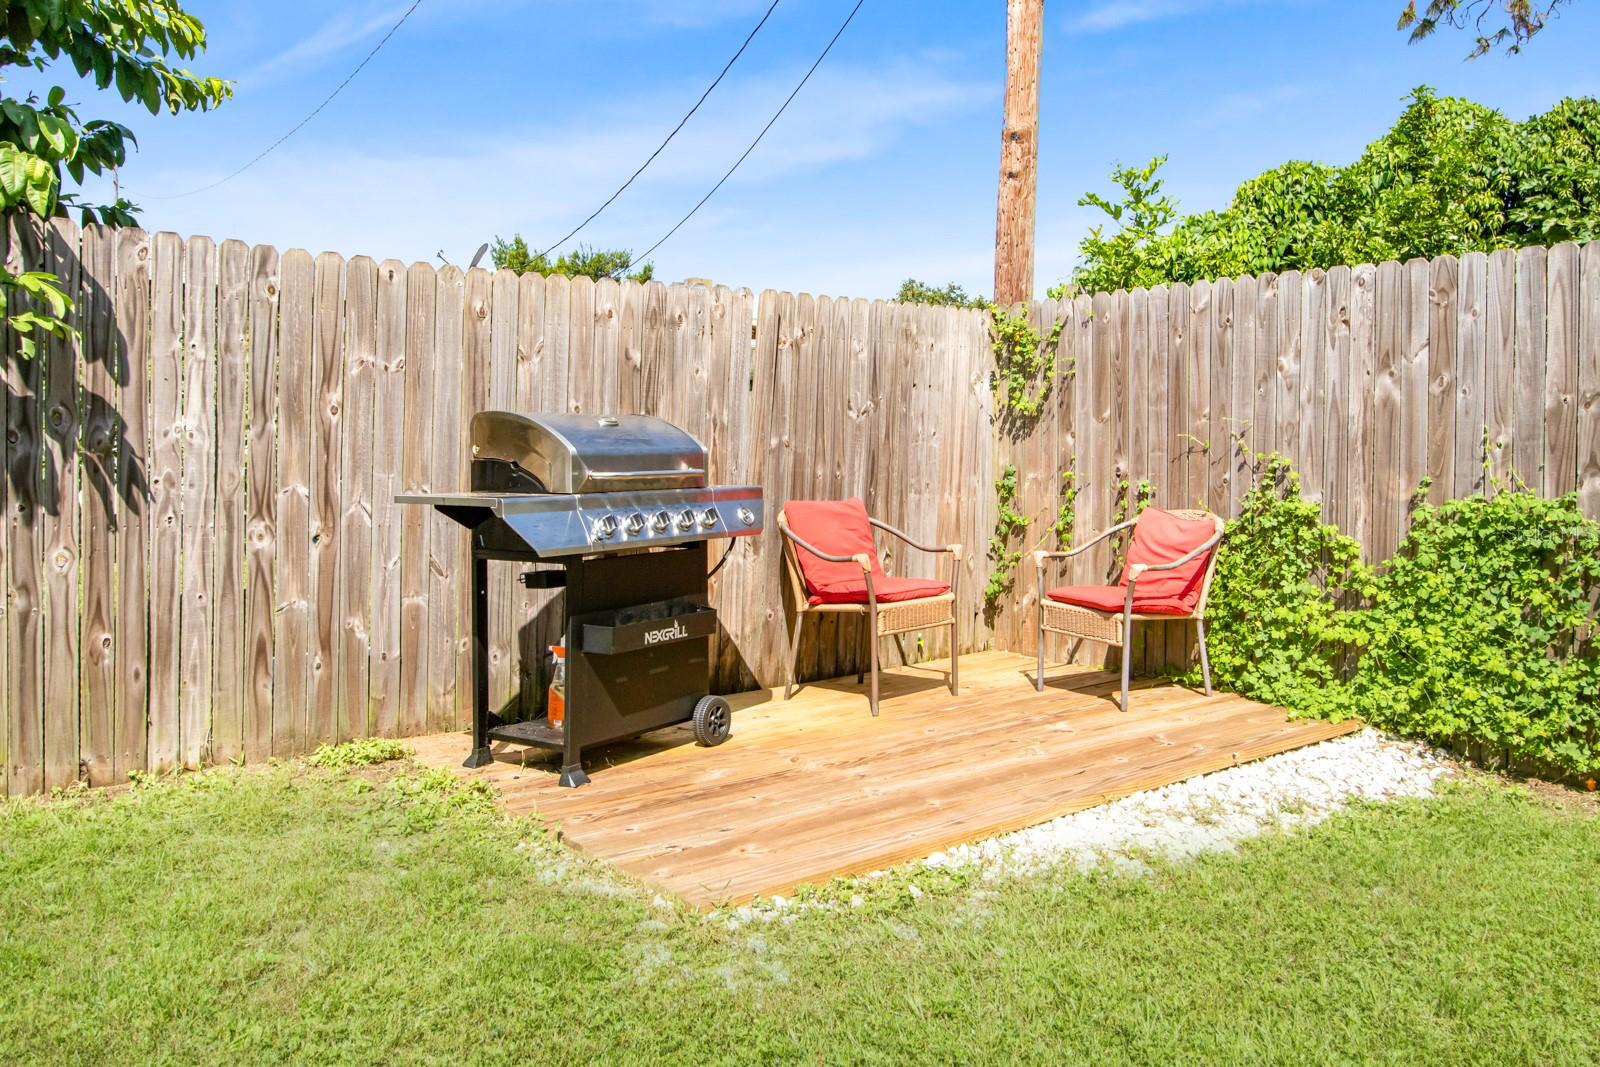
pixel 660 521
pixel 634 524
pixel 746 516
pixel 605 527
pixel 708 518
pixel 686 519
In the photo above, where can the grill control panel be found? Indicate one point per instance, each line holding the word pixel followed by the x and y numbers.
pixel 614 521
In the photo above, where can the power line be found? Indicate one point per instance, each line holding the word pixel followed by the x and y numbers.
pixel 299 125
pixel 837 34
pixel 727 67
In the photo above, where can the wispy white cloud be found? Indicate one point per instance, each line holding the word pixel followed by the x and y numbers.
pixel 1109 15
pixel 1235 108
pixel 345 30
pixel 471 184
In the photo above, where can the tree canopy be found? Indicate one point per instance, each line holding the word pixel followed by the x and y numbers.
pixel 913 291
pixel 124 45
pixel 1511 23
pixel 514 255
pixel 1451 176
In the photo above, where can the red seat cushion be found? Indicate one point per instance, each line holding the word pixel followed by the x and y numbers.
pixel 841 528
pixel 887 589
pixel 1158 537
pixel 1110 598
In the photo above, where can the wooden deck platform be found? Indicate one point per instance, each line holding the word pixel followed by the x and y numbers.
pixel 816 787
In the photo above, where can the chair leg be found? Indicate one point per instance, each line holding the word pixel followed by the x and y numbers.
pixel 1127 656
pixel 955 658
pixel 794 653
pixel 1205 661
pixel 861 675
pixel 900 644
pixel 872 697
pixel 1038 670
pixel 1072 652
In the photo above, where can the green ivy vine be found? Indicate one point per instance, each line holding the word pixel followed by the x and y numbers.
pixel 1481 629
pixel 1008 527
pixel 1026 365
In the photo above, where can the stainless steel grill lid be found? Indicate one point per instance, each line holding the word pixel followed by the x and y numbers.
pixel 590 453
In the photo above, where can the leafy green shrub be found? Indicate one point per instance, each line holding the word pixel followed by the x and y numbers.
pixel 1275 632
pixel 1483 629
pixel 362 752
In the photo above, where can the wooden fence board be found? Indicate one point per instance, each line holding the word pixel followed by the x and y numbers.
pixel 325 712
pixel 417 524
pixel 1218 432
pixel 1312 404
pixel 353 611
pixel 1195 435
pixel 1443 325
pixel 97 563
pixel 24 623
pixel 1416 386
pixel 504 688
pixel 447 551
pixel 132 533
pixel 384 696
pixel 1472 300
pixel 1561 372
pixel 228 670
pixel 166 466
pixel 292 643
pixel 1241 370
pixel 197 499
pixel 1287 387
pixel 1388 495
pixel 1332 416
pixel 1499 362
pixel 59 524
pixel 1588 403
pixel 1357 446
pixel 1527 415
pixel 262 521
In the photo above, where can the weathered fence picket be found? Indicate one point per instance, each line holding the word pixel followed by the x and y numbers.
pixel 204 560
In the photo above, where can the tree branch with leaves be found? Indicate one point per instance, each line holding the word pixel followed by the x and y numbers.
pixel 1494 23
pixel 129 46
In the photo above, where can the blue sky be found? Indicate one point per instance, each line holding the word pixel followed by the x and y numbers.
pixel 485 117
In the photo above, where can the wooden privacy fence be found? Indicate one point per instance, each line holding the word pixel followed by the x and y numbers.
pixel 1470 372
pixel 204 562
pixel 203 557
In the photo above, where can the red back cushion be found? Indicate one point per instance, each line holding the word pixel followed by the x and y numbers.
pixel 837 527
pixel 1161 537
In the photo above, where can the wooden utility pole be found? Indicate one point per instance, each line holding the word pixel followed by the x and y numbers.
pixel 1019 154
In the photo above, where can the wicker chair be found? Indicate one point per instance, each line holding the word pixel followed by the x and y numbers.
pixel 891 606
pixel 1174 547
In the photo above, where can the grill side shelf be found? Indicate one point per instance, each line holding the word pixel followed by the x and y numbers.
pixel 607 640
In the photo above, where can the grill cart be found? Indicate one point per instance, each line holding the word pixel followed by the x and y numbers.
pixel 616 512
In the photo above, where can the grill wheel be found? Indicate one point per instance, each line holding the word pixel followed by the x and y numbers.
pixel 713 721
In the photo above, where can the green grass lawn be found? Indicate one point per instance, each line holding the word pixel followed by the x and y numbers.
pixel 316 916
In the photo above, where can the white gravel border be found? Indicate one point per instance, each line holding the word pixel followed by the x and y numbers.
pixel 1208 813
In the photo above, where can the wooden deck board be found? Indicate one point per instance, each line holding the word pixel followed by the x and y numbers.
pixel 815 787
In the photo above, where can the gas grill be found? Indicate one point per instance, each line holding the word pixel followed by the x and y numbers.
pixel 616 512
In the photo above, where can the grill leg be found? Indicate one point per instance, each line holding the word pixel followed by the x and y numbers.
pixel 481 754
pixel 794 653
pixel 1205 661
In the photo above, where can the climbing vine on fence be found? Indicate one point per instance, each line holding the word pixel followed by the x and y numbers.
pixel 1008 526
pixel 1482 628
pixel 1026 363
